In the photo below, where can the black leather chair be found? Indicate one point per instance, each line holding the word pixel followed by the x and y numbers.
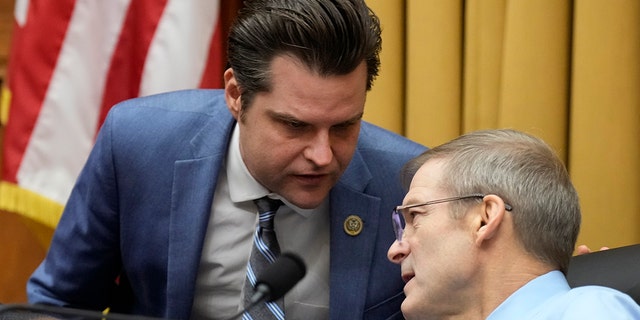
pixel 617 268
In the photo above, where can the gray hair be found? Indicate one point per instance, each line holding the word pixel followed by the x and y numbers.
pixel 527 174
pixel 331 37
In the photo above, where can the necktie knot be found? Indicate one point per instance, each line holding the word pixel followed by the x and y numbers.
pixel 267 208
pixel 266 204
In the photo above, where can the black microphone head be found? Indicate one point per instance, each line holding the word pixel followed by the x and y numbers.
pixel 282 275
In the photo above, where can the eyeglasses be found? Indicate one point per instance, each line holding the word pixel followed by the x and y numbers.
pixel 397 217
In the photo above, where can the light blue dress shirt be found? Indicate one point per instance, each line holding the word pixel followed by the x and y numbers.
pixel 550 297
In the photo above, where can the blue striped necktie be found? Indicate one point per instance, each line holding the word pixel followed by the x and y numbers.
pixel 265 251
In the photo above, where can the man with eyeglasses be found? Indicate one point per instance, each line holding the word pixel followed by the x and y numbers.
pixel 487 230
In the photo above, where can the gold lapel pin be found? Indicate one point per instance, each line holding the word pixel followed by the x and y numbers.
pixel 353 225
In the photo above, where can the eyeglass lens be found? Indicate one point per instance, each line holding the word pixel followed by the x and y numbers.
pixel 398 224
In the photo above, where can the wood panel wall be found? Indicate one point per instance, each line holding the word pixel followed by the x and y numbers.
pixel 20 251
pixel 6 24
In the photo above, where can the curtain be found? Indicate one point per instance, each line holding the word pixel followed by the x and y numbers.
pixel 565 71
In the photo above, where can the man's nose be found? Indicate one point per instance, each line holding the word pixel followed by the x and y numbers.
pixel 398 251
pixel 319 150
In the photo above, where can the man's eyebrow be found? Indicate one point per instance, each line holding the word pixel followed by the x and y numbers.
pixel 283 117
pixel 355 119
pixel 413 200
pixel 289 118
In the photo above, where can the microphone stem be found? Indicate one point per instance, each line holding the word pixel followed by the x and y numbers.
pixel 262 292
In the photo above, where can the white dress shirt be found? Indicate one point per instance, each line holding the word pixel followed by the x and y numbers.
pixel 228 244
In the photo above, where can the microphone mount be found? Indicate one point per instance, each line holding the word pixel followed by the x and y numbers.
pixel 276 280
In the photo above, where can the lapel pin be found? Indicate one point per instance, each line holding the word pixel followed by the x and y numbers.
pixel 353 225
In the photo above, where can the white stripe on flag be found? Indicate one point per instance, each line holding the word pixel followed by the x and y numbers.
pixel 20 11
pixel 180 47
pixel 65 129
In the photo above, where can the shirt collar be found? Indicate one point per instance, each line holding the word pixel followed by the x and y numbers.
pixel 531 296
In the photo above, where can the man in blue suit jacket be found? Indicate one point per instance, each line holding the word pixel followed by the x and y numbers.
pixel 159 222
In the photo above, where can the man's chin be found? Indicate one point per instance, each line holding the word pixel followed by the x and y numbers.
pixel 407 312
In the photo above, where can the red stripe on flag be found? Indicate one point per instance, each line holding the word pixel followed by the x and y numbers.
pixel 125 71
pixel 34 53
pixel 212 75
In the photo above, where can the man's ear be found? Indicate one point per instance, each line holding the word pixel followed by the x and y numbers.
pixel 232 93
pixel 491 218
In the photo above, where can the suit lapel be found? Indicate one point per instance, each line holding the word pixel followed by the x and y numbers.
pixel 351 254
pixel 192 196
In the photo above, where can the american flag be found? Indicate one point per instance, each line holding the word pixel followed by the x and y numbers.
pixel 71 60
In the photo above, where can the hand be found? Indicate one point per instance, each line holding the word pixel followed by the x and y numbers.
pixel 583 249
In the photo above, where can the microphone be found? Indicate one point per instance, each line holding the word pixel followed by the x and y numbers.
pixel 276 280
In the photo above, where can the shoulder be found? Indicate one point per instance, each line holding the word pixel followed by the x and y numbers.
pixel 601 293
pixel 377 160
pixel 158 121
pixel 379 157
pixel 170 111
pixel 206 101
pixel 595 302
pixel 379 141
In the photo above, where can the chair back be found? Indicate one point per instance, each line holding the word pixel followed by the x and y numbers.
pixel 617 268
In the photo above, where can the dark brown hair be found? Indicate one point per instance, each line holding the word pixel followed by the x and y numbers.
pixel 330 37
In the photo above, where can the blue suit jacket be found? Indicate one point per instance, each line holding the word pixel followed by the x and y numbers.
pixel 140 208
